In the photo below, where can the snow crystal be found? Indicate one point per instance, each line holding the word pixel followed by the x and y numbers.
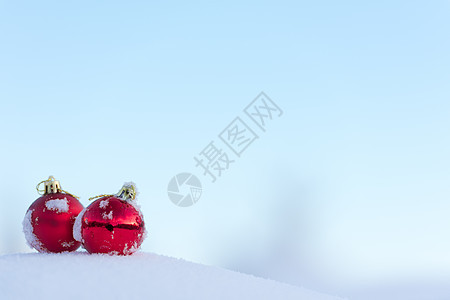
pixel 108 216
pixel 145 234
pixel 67 245
pixel 104 204
pixel 59 205
pixel 134 247
pixel 30 237
pixel 136 206
pixel 77 226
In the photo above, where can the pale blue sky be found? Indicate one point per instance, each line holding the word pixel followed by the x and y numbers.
pixel 101 93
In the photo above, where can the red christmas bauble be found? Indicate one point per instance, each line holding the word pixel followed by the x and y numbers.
pixel 48 223
pixel 111 225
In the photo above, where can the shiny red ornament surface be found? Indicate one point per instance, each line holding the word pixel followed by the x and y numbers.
pixel 49 221
pixel 113 226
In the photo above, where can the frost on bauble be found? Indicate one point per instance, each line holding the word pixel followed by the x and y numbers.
pixel 30 237
pixel 77 226
pixel 58 205
pixel 104 204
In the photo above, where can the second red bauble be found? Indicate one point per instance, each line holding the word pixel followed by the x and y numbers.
pixel 110 225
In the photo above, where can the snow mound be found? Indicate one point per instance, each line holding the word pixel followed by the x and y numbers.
pixel 140 276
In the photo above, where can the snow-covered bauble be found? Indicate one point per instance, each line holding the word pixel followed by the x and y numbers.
pixel 112 224
pixel 48 223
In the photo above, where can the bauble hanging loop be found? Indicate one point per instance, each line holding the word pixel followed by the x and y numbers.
pixel 127 192
pixel 51 185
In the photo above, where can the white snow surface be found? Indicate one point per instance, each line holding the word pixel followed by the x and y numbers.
pixel 58 205
pixel 80 275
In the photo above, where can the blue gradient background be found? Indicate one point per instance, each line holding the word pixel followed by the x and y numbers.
pixel 348 192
